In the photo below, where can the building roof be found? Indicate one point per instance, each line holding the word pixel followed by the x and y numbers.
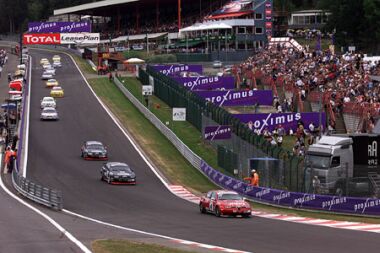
pixel 90 7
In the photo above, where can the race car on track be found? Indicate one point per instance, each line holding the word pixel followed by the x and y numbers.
pixel 221 202
pixel 50 70
pixel 56 58
pixel 46 76
pixel 94 150
pixel 49 113
pixel 51 83
pixel 57 64
pixel 44 61
pixel 48 102
pixel 57 92
pixel 117 173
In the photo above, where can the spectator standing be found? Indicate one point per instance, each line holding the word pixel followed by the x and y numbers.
pixel 14 142
pixel 316 183
pixel 7 157
pixel 253 179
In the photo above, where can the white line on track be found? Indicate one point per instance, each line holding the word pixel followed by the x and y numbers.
pixel 45 216
pixel 151 234
pixel 26 137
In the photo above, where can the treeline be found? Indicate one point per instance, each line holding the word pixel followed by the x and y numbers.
pixel 15 14
pixel 356 22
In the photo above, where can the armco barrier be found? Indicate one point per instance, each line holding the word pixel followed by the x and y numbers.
pixel 350 205
pixel 181 147
pixel 37 193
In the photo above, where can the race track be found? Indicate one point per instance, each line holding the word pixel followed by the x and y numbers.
pixel 54 160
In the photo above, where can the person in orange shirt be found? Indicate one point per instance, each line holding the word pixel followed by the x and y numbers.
pixel 7 157
pixel 254 179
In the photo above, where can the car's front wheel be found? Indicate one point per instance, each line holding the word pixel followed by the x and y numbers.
pixel 109 180
pixel 202 209
pixel 217 212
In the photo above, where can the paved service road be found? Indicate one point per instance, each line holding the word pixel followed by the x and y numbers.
pixel 54 160
pixel 21 229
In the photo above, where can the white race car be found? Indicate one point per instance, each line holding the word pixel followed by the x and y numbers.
pixel 57 64
pixel 46 76
pixel 48 102
pixel 49 113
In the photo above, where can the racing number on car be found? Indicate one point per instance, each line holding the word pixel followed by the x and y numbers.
pixel 211 206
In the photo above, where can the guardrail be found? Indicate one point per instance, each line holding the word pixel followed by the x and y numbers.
pixel 37 193
pixel 194 159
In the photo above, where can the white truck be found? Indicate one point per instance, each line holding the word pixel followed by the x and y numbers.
pixel 344 165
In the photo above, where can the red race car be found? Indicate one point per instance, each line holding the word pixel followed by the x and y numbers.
pixel 223 202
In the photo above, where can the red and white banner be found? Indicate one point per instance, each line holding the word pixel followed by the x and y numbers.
pixel 61 38
pixel 41 39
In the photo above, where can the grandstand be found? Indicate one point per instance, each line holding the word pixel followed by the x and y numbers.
pixel 128 22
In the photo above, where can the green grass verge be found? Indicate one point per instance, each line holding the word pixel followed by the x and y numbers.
pixel 166 157
pixel 184 130
pixel 123 246
pixel 84 66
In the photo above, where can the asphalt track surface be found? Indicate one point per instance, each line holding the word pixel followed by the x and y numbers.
pixel 54 160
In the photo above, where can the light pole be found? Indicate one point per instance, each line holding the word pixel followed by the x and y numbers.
pixel 321 91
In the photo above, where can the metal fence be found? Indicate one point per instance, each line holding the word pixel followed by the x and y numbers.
pixel 37 193
pixel 277 169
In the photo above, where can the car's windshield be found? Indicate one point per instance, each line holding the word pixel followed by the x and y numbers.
pixel 230 196
pixel 120 169
pixel 49 110
pixel 48 99
pixel 95 146
pixel 316 161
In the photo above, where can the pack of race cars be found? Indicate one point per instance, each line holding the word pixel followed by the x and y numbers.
pixel 48 104
pixel 217 202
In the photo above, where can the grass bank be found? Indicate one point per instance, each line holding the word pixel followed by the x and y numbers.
pixel 123 246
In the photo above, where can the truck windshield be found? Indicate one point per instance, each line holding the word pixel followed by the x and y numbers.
pixel 320 162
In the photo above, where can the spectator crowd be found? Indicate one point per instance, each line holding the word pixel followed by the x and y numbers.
pixel 344 80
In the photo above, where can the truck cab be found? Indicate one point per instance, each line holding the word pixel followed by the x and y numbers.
pixel 330 159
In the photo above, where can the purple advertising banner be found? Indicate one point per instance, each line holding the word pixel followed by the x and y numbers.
pixel 207 82
pixel 59 27
pixel 286 120
pixel 351 205
pixel 237 98
pixel 177 68
pixel 217 132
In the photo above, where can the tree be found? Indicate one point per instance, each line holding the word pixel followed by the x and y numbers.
pixel 357 22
